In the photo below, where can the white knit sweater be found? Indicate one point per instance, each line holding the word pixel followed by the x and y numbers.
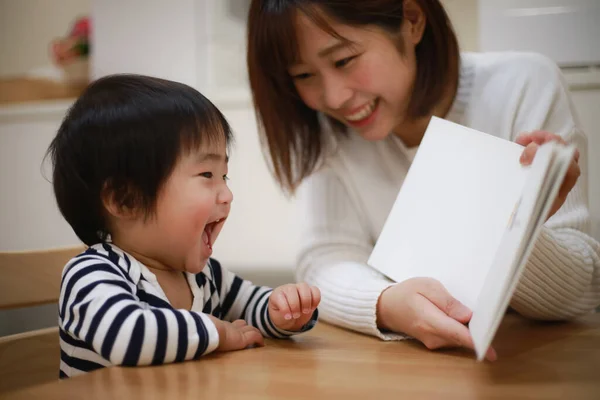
pixel 348 199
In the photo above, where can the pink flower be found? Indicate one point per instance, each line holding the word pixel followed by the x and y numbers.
pixel 75 45
pixel 81 28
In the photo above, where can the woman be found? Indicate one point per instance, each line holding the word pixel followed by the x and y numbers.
pixel 344 90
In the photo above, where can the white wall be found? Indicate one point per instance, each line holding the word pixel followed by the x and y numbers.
pixel 28 26
pixel 152 37
pixel 262 229
pixel 226 32
pixel 465 19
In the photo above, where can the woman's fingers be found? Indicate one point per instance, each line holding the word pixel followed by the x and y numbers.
pixel 445 331
pixel 437 294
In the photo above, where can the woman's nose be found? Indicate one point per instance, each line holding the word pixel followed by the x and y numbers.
pixel 335 92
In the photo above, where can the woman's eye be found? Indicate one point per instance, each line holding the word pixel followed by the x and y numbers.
pixel 344 61
pixel 225 178
pixel 301 77
pixel 208 175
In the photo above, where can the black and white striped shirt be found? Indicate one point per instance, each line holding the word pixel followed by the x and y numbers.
pixel 112 311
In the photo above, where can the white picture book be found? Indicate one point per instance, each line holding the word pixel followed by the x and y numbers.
pixel 468 215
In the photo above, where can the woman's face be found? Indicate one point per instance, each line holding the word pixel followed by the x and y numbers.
pixel 364 82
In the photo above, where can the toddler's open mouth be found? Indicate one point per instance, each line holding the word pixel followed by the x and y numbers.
pixel 211 229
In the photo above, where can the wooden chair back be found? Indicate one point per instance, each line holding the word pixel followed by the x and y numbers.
pixel 30 278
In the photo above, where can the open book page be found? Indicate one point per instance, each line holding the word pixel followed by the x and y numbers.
pixel 543 182
pixel 451 212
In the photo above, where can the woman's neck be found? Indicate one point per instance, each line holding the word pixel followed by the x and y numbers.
pixel 411 131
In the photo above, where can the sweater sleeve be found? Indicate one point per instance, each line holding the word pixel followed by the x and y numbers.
pixel 100 313
pixel 243 300
pixel 562 277
pixel 334 255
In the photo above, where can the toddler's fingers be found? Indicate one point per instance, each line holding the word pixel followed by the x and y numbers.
pixel 252 336
pixel 305 295
pixel 291 293
pixel 238 323
pixel 278 301
pixel 316 297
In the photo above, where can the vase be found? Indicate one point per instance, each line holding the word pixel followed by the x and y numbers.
pixel 77 72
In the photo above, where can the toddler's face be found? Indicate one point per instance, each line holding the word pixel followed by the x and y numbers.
pixel 191 209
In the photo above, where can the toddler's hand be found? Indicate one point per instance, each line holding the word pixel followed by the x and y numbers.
pixel 291 306
pixel 236 335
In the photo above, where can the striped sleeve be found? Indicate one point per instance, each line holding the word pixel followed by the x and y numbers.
pixel 240 299
pixel 100 315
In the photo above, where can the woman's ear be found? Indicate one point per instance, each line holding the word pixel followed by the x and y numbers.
pixel 415 21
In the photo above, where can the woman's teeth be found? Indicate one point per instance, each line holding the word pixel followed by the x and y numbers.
pixel 363 113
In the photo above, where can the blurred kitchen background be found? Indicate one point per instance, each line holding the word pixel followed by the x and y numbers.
pixel 49 49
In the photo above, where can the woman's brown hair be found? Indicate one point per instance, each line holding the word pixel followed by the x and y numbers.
pixel 292 131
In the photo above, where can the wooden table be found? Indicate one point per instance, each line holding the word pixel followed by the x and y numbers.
pixel 536 361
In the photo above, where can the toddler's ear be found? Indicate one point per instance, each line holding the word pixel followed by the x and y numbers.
pixel 118 202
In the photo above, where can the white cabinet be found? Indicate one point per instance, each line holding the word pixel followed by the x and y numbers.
pixel 29 217
pixel 565 30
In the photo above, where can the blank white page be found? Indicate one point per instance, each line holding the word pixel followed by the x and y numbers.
pixel 452 210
